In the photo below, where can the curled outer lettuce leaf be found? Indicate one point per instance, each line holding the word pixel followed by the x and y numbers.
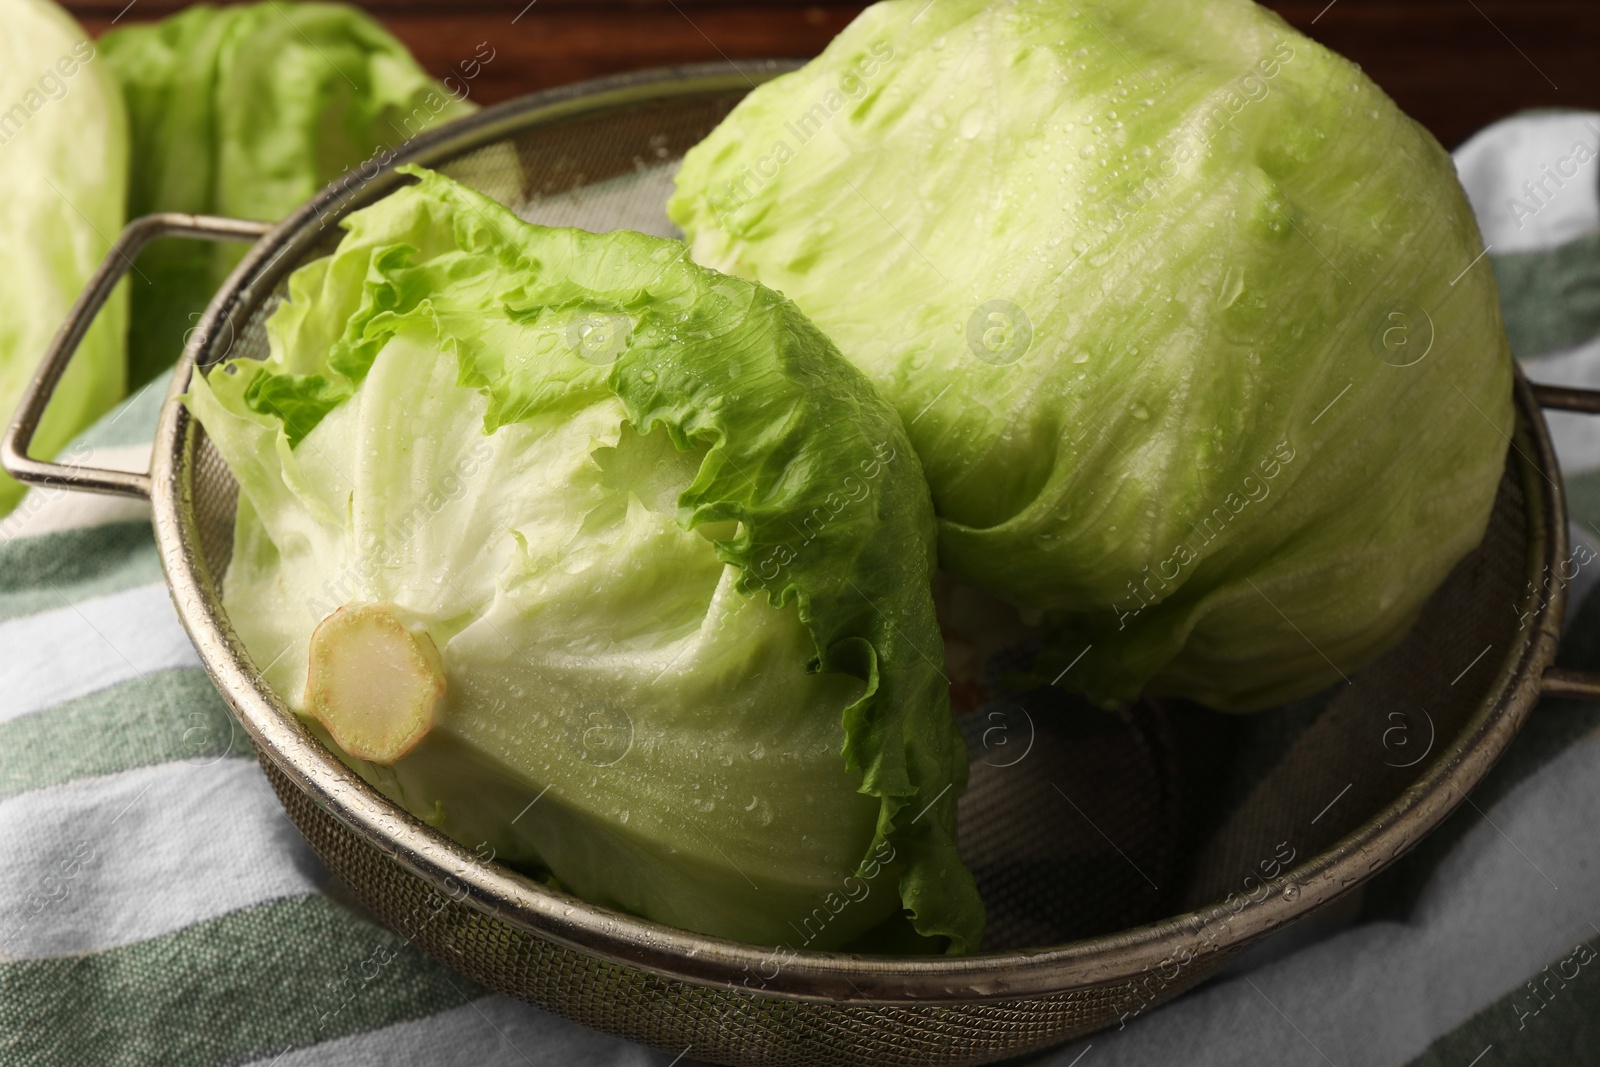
pixel 674 552
pixel 63 168
pixel 1175 304
pixel 248 111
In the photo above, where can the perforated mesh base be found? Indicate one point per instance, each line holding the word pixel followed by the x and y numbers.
pixel 720 1026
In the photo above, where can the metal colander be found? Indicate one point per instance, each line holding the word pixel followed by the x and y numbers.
pixel 1124 857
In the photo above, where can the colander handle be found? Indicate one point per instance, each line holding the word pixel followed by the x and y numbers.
pixel 25 423
pixel 1574 685
pixel 1560 681
pixel 1567 398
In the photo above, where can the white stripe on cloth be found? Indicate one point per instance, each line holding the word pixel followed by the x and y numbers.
pixel 492 1032
pixel 80 648
pixel 43 511
pixel 1512 172
pixel 1378 994
pixel 1588 576
pixel 109 861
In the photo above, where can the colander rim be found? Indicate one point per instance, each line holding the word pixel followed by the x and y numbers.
pixel 801 975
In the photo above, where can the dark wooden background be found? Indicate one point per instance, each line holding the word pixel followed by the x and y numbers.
pixel 1455 65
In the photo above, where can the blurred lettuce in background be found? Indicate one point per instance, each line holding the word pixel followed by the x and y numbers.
pixel 248 111
pixel 63 165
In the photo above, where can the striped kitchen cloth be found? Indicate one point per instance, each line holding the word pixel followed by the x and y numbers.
pixel 156 906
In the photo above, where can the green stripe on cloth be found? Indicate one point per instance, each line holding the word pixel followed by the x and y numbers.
pixel 1550 299
pixel 37 572
pixel 1583 498
pixel 1553 1018
pixel 250 984
pixel 157 718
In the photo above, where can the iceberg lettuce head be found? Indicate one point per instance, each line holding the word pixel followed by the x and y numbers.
pixel 605 564
pixel 1185 319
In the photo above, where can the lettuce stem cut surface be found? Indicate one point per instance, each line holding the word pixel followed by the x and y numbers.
pixel 373 684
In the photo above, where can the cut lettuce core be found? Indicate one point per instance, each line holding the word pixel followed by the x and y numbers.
pixel 372 683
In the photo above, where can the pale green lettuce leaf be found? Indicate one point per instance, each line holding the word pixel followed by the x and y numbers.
pixel 674 552
pixel 1141 278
